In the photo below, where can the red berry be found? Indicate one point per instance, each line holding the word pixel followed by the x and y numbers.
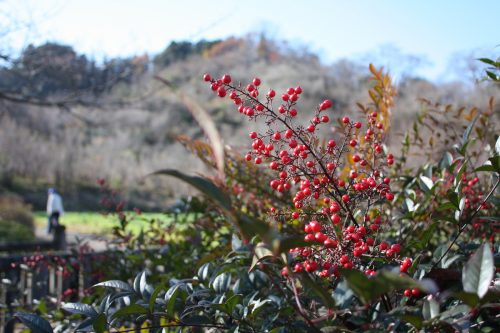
pixel 271 93
pixel 407 292
pixel 345 198
pixel 330 243
pixel 207 77
pixel 357 124
pixel 345 120
pixel 353 143
pixel 298 267
pixel 284 272
pixel 315 226
pixel 285 97
pixel 389 196
pixel 256 82
pixel 293 113
pixel 221 92
pixel 298 90
pixel 383 246
pixel 226 79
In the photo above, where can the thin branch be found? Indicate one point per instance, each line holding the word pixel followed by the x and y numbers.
pixel 466 223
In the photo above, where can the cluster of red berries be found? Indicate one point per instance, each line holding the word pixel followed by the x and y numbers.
pixel 315 174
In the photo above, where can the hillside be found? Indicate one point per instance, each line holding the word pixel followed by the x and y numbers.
pixel 66 121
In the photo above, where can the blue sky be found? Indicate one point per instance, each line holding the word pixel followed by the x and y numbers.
pixel 435 30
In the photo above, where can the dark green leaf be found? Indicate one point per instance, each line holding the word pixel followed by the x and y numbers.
pixel 445 206
pixel 479 271
pixel 170 298
pixel 454 199
pixel 115 284
pixel 132 309
pixel 80 308
pixel 100 323
pixel 35 323
pixel 284 244
pixel 430 309
pixel 471 299
pixel 426 183
pixel 204 272
pixel 488 61
pixel 152 299
pixel 203 185
pixel 413 320
pixel 318 290
pixel 493 76
pixel 222 283
pixel 469 128
pixel 231 303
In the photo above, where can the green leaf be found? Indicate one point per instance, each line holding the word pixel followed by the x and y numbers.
pixel 454 199
pixel 170 298
pixel 100 323
pixel 479 271
pixel 488 61
pixel 222 283
pixel 204 272
pixel 469 128
pixel 426 183
pixel 152 299
pixel 493 76
pixel 284 244
pixel 261 252
pixel 318 290
pixel 495 161
pixel 203 185
pixel 117 284
pixel 446 160
pixel 413 320
pixel 251 227
pixel 80 308
pixel 471 299
pixel 445 206
pixel 430 309
pixel 132 309
pixel 35 323
pixel 368 289
pixel 231 303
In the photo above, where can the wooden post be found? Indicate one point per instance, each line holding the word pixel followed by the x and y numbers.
pixel 3 305
pixel 81 280
pixel 60 238
pixel 22 283
pixel 29 288
pixel 60 271
pixel 52 280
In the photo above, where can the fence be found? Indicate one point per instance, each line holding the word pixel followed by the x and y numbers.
pixel 54 277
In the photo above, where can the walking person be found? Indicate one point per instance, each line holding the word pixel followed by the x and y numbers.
pixel 54 209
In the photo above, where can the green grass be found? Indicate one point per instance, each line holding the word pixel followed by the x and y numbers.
pixel 97 223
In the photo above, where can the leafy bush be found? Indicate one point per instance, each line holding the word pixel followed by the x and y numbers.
pixel 337 234
pixel 16 220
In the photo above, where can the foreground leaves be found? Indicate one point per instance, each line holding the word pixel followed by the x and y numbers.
pixel 478 271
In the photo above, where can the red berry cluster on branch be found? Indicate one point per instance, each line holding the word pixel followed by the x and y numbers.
pixel 337 186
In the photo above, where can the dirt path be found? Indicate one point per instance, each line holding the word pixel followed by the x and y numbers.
pixel 96 242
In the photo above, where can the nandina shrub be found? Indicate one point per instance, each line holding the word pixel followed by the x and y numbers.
pixel 384 246
pixel 339 186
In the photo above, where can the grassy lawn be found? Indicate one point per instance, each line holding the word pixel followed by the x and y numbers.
pixel 97 223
